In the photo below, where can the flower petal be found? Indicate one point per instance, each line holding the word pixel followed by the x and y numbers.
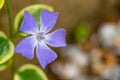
pixel 45 55
pixel 26 47
pixel 56 38
pixel 29 24
pixel 47 20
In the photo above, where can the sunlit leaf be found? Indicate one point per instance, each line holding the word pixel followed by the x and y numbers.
pixel 6 48
pixel 1 3
pixel 30 72
pixel 34 10
pixel 82 32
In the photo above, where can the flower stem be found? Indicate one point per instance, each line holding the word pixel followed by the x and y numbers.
pixel 9 17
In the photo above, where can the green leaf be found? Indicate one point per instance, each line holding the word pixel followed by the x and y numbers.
pixel 5 65
pixel 6 48
pixel 1 3
pixel 34 10
pixel 82 32
pixel 2 35
pixel 30 72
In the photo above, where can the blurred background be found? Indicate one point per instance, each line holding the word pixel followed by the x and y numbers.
pixel 93 38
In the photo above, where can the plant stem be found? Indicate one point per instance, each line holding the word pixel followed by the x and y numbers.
pixel 9 17
pixel 11 34
pixel 13 66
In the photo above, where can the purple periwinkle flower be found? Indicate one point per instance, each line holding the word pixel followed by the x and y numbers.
pixel 39 38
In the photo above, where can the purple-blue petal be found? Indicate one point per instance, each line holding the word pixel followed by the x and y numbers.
pixel 45 55
pixel 29 24
pixel 56 38
pixel 26 47
pixel 47 20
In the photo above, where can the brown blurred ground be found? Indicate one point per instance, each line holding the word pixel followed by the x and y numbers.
pixel 72 13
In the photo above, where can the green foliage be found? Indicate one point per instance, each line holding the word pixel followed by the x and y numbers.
pixel 30 72
pixel 5 65
pixel 2 35
pixel 6 48
pixel 34 10
pixel 1 3
pixel 82 32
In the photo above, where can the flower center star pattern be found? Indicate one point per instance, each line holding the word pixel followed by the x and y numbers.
pixel 39 38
